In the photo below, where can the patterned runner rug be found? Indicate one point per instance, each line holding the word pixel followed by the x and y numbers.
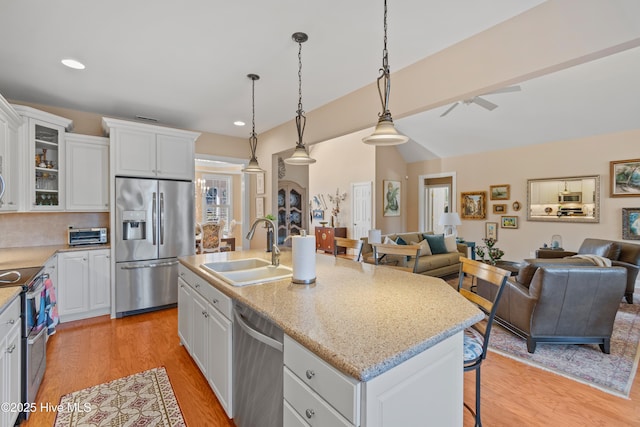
pixel 612 373
pixel 144 399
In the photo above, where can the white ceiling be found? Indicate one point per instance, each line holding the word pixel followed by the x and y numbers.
pixel 185 64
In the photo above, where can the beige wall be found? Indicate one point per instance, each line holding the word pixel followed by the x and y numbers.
pixel 586 156
pixel 340 162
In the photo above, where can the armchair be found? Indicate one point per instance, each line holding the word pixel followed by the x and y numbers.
pixel 621 254
pixel 569 304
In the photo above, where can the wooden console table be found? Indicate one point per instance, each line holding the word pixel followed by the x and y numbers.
pixel 325 238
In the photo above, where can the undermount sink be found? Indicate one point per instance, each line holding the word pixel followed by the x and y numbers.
pixel 248 271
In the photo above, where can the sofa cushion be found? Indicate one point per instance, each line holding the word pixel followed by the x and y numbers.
pixel 400 241
pixel 432 262
pixel 436 243
pixel 425 250
pixel 629 253
pixel 450 243
pixel 409 237
pixel 605 248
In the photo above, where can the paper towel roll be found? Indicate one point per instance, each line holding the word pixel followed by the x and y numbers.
pixel 303 249
pixel 375 236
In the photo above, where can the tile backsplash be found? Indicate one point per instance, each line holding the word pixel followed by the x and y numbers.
pixel 44 229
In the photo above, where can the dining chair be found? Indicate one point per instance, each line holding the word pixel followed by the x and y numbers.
pixel 393 255
pixel 343 242
pixel 476 337
pixel 211 237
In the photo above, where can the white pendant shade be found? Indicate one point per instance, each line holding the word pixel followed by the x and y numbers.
pixel 253 167
pixel 299 157
pixel 385 134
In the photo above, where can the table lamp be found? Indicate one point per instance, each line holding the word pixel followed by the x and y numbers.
pixel 449 220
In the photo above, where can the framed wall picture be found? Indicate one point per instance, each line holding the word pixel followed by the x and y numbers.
pixel 500 208
pixel 260 183
pixel 491 230
pixel 631 223
pixel 317 214
pixel 259 207
pixel 391 202
pixel 508 221
pixel 473 205
pixel 625 178
pixel 500 192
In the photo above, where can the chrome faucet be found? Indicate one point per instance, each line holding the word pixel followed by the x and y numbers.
pixel 275 252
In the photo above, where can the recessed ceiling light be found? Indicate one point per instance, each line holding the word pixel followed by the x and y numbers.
pixel 72 63
pixel 239 123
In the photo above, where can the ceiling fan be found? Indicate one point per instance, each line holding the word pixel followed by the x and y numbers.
pixel 481 101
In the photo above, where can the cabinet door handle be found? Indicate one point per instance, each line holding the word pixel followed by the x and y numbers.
pixel 309 413
pixel 310 374
pixel 10 349
pixel 215 300
pixel 197 285
pixel 11 321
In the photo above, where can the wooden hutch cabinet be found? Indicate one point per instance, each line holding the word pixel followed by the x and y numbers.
pixel 325 236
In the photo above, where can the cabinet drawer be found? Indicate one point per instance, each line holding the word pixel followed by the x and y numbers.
pixel 341 391
pixel 10 316
pixel 291 417
pixel 207 290
pixel 309 405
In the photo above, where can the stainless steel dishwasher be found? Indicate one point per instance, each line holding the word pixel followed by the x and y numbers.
pixel 257 369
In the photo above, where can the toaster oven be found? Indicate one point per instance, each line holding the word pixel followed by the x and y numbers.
pixel 87 236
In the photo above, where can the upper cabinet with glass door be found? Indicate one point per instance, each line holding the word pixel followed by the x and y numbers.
pixel 44 136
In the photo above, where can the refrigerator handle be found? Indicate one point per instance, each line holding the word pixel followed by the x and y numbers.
pixel 154 215
pixel 162 218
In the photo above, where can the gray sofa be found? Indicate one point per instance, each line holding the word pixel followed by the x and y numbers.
pixel 621 254
pixel 438 265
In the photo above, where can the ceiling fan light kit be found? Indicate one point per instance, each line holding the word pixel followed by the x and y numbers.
pixel 385 132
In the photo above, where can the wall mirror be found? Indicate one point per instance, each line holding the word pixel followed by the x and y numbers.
pixel 564 199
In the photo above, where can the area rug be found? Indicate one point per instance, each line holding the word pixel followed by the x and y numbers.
pixel 612 373
pixel 145 399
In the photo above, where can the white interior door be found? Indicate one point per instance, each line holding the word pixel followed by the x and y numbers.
pixel 361 209
pixel 438 202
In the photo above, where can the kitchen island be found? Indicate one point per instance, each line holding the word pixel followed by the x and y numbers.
pixel 374 324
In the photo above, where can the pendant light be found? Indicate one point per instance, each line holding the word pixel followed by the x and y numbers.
pixel 385 133
pixel 300 155
pixel 253 166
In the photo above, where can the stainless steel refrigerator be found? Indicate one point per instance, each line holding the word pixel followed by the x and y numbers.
pixel 154 225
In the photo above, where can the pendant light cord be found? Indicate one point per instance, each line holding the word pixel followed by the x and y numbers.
pixel 301 120
pixel 253 138
pixel 385 73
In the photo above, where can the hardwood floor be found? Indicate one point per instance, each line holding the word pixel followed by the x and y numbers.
pixel 89 352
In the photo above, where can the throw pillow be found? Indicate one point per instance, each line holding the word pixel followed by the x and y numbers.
pixel 388 241
pixel 450 243
pixel 400 241
pixel 424 247
pixel 436 243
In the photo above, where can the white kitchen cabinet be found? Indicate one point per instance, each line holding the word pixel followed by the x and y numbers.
pixel 43 136
pixel 10 122
pixel 87 178
pixel 143 150
pixel 206 330
pixel 185 313
pixel 321 395
pixel 10 360
pixel 83 284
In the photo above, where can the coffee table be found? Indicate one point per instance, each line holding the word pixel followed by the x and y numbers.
pixel 512 266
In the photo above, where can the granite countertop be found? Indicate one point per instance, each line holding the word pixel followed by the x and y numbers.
pixel 7 294
pixel 360 318
pixel 36 256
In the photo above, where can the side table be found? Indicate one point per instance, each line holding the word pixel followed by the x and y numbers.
pixel 472 248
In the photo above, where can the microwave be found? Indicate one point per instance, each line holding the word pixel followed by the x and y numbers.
pixel 572 197
pixel 87 236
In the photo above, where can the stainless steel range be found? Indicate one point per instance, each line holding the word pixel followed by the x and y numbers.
pixel 34 328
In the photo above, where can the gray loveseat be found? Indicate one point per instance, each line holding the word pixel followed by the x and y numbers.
pixel 438 265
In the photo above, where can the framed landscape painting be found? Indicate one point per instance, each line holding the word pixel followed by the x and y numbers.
pixel 473 205
pixel 500 192
pixel 631 223
pixel 509 222
pixel 625 178
pixel 500 208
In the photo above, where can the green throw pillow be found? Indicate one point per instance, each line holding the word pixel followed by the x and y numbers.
pixel 436 243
